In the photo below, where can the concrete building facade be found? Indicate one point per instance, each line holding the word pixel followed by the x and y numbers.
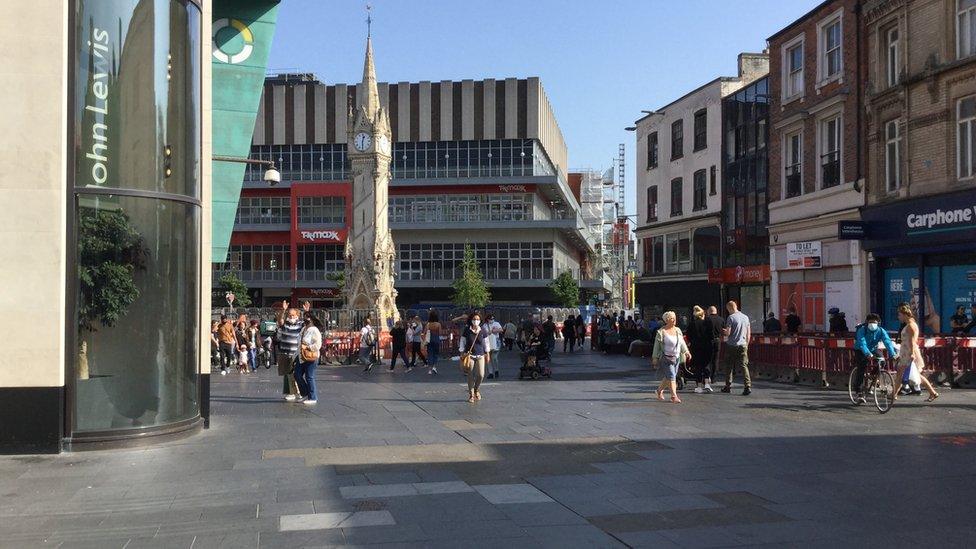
pixel 679 196
pixel 479 163
pixel 116 221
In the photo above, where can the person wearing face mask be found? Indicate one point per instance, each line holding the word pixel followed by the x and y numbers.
pixel 289 332
pixel 475 340
pixel 866 340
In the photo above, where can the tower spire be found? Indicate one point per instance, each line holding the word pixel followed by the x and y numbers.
pixel 369 95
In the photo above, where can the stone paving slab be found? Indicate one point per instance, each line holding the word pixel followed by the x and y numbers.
pixel 512 493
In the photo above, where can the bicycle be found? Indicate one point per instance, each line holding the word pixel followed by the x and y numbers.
pixel 877 381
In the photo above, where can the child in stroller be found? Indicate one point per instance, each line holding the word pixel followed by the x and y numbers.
pixel 536 358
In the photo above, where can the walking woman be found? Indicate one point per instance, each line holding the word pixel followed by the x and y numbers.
pixel 670 351
pixel 910 351
pixel 398 343
pixel 308 359
pixel 433 338
pixel 474 341
pixel 700 337
pixel 569 333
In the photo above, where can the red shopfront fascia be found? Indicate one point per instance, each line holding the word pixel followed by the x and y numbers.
pixel 751 274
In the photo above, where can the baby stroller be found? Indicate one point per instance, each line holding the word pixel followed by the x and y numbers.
pixel 536 362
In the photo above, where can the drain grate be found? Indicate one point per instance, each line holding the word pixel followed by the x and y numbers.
pixel 370 505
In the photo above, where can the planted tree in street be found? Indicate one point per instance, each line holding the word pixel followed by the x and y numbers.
pixel 231 284
pixel 470 289
pixel 566 289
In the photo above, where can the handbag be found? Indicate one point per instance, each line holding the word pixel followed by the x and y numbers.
pixel 467 363
pixel 307 354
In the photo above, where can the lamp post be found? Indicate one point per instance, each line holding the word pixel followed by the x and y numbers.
pixel 271 175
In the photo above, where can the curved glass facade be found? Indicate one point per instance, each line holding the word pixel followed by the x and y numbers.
pixel 136 219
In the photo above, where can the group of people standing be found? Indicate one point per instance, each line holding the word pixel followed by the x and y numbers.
pixel 235 342
pixel 709 337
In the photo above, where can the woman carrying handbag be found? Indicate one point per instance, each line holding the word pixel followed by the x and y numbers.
pixel 474 348
pixel 308 359
pixel 670 350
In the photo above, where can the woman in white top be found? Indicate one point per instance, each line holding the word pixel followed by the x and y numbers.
pixel 910 352
pixel 311 346
pixel 670 350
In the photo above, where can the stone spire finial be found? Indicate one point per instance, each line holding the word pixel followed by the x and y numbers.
pixel 369 95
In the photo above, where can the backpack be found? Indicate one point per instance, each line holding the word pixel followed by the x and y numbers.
pixel 370 339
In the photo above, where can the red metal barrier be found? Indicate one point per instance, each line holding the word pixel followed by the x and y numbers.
pixel 951 355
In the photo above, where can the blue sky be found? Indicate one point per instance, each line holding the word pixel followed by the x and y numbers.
pixel 601 62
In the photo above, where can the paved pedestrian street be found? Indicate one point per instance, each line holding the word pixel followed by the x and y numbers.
pixel 588 459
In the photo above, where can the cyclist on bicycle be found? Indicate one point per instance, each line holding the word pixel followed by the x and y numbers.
pixel 866 340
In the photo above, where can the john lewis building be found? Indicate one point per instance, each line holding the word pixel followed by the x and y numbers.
pixel 107 180
pixel 474 162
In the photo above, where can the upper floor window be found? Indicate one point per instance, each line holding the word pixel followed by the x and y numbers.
pixel 652 204
pixel 263 210
pixel 793 162
pixel 712 177
pixel 891 52
pixel 892 155
pixel 676 197
pixel 652 150
pixel 701 129
pixel 966 141
pixel 830 49
pixel 965 28
pixel 793 67
pixel 677 139
pixel 830 129
pixel 700 198
pixel 322 210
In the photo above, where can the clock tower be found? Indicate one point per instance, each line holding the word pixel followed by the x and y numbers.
pixel 370 253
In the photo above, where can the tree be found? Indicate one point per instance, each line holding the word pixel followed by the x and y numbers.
pixel 566 289
pixel 234 285
pixel 470 290
pixel 339 277
pixel 110 251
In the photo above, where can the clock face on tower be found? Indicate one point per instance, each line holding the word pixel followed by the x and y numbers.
pixel 362 141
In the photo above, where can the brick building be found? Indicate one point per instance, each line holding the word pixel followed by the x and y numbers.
pixel 920 136
pixel 816 163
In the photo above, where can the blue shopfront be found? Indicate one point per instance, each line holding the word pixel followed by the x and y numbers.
pixel 924 254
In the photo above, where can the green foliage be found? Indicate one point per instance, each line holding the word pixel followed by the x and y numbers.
pixel 230 283
pixel 339 277
pixel 470 290
pixel 110 251
pixel 566 289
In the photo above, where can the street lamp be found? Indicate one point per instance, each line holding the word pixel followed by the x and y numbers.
pixel 271 175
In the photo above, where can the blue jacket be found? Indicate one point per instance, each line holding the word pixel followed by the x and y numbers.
pixel 867 341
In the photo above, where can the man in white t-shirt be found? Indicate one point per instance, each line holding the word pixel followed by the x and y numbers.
pixel 367 340
pixel 495 338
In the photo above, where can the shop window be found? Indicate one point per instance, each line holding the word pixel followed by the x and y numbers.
pixel 701 129
pixel 793 177
pixel 700 199
pixel 676 197
pixel 652 150
pixel 965 28
pixel 652 204
pixel 677 139
pixel 830 138
pixel 966 136
pixel 892 156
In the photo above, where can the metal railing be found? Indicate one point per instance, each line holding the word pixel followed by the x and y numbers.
pixel 830 169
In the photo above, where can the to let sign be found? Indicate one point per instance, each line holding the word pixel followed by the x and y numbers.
pixel 803 255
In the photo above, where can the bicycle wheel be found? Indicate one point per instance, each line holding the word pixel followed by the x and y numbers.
pixel 851 390
pixel 884 391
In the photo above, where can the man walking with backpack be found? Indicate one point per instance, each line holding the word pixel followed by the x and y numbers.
pixel 367 340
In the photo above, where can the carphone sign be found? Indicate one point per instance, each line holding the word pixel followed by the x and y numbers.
pixel 939 220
